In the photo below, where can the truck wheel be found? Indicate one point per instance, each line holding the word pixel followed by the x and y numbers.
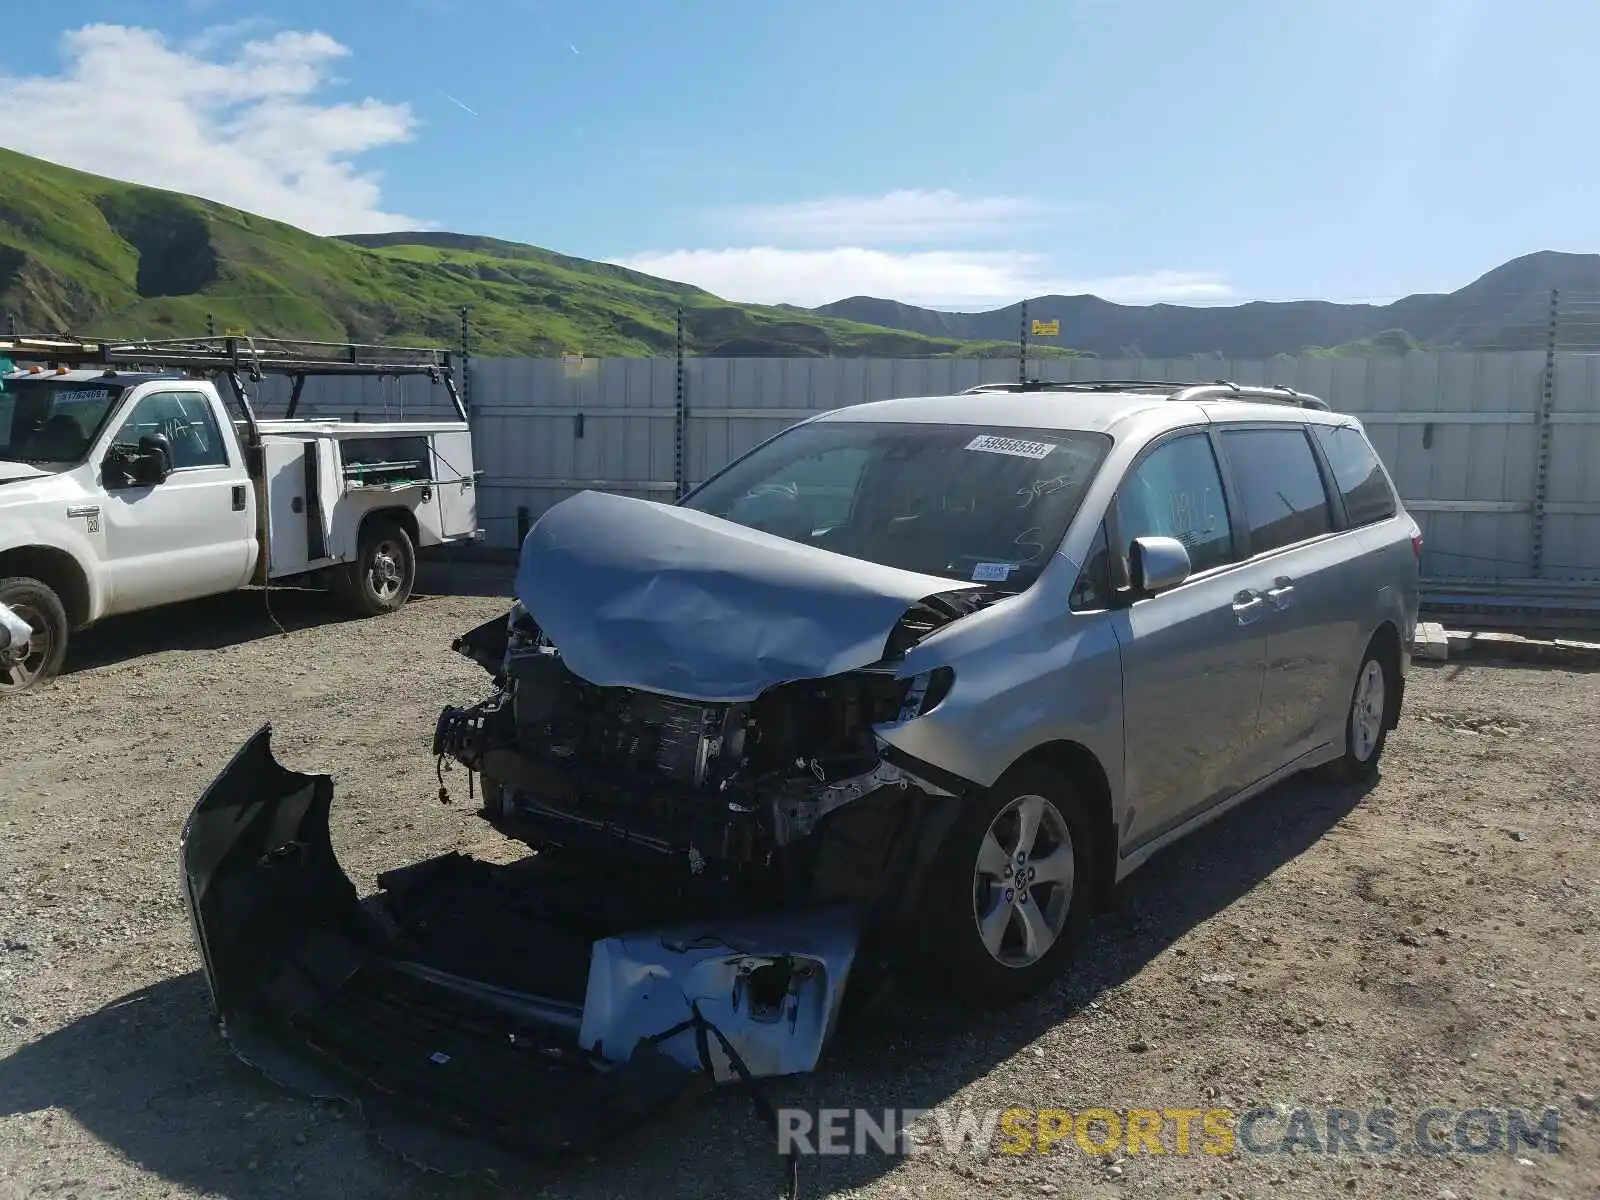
pixel 38 605
pixel 381 578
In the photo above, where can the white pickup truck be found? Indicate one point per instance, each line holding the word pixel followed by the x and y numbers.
pixel 128 480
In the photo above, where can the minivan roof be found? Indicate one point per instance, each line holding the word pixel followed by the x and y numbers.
pixel 1097 412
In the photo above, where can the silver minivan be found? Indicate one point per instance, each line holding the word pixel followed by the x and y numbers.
pixel 1204 589
pixel 921 679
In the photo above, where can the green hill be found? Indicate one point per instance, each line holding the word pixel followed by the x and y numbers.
pixel 82 253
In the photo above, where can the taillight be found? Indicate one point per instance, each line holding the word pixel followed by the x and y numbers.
pixel 1416 542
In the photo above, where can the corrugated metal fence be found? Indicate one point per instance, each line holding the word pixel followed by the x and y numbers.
pixel 1491 451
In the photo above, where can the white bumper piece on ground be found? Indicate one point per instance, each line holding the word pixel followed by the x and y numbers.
pixel 771 985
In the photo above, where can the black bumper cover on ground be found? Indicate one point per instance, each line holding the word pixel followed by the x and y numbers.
pixel 313 987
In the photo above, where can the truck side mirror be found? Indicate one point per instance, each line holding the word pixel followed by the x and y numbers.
pixel 153 463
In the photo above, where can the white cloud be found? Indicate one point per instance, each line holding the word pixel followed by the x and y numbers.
pixel 245 130
pixel 931 278
pixel 907 215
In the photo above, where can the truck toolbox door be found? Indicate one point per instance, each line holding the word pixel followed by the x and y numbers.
pixel 458 493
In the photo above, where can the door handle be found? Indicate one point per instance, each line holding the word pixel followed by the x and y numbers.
pixel 238 498
pixel 1281 593
pixel 1248 606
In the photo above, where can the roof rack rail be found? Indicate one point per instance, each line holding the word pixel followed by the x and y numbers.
pixel 239 355
pixel 1221 389
pixel 1273 393
pixel 1077 385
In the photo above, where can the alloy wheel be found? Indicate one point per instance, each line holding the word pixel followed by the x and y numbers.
pixel 18 673
pixel 1366 711
pixel 1022 881
pixel 383 572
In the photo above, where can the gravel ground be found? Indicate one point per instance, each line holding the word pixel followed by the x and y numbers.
pixel 1431 942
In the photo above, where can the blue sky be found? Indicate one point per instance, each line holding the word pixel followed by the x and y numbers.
pixel 952 154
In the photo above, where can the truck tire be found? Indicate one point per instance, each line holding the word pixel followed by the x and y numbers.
pixel 38 605
pixel 385 570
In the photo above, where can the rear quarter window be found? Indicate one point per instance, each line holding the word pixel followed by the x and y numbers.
pixel 1280 485
pixel 1368 498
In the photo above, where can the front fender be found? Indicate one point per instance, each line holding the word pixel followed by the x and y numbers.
pixel 21 531
pixel 1057 682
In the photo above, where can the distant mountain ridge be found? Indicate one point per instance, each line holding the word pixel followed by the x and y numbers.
pixel 87 254
pixel 1507 308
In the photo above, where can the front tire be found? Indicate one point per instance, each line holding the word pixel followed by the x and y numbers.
pixel 1366 727
pixel 1010 893
pixel 385 570
pixel 37 604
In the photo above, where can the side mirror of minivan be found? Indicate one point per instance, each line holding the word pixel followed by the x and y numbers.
pixel 1157 564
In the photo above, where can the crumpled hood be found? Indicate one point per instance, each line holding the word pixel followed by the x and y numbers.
pixel 665 599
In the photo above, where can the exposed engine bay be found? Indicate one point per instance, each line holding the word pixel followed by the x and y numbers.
pixel 724 789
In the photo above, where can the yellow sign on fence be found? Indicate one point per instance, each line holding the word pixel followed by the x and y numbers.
pixel 1047 328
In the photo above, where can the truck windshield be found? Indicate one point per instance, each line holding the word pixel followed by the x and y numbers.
pixel 962 501
pixel 50 420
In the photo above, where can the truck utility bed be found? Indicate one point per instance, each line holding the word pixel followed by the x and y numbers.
pixel 140 473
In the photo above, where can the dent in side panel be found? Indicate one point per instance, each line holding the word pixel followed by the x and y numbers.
pixel 1057 681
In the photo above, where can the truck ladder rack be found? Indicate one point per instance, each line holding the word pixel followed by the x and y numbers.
pixel 237 357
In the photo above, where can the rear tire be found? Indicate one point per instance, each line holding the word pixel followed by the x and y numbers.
pixel 38 605
pixel 383 574
pixel 992 942
pixel 1366 726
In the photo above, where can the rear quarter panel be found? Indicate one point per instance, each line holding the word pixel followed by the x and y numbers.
pixel 1394 573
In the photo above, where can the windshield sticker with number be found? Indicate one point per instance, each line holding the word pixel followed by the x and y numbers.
pixel 992 572
pixel 990 444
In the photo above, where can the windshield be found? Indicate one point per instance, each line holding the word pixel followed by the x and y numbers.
pixel 48 420
pixel 963 501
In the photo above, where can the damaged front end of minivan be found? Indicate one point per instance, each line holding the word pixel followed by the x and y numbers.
pixel 684 727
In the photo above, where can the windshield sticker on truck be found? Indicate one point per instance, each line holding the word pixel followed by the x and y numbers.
pixel 1014 446
pixel 80 395
pixel 992 572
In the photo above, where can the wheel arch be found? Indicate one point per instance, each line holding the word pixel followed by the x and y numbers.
pixel 400 515
pixel 1385 641
pixel 1083 767
pixel 59 571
